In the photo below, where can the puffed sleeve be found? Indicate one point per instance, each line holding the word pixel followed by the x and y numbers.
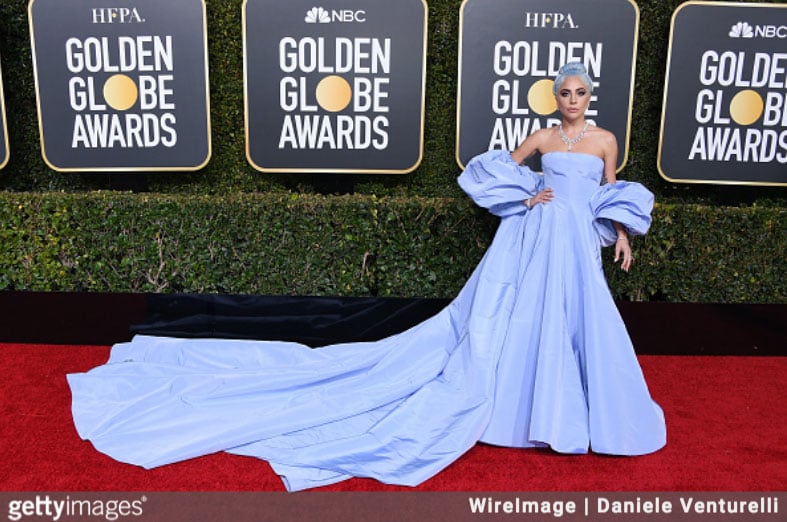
pixel 495 182
pixel 626 202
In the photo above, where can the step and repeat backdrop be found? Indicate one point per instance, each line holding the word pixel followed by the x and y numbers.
pixel 339 86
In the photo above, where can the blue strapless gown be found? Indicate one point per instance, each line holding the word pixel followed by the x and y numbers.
pixel 531 352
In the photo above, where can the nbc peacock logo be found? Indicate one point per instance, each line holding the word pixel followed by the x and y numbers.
pixel 741 30
pixel 317 15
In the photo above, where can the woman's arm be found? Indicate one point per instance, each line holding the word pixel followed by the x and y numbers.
pixel 609 149
pixel 527 148
pixel 622 245
pixel 530 146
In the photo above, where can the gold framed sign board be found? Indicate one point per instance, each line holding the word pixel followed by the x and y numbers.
pixel 724 115
pixel 121 86
pixel 334 87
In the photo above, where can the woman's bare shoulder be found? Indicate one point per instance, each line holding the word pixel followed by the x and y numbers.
pixel 541 136
pixel 602 133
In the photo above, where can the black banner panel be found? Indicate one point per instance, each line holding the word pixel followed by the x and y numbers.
pixel 121 85
pixel 510 52
pixel 724 117
pixel 337 88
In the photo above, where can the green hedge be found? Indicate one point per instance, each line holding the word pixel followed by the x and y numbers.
pixel 353 245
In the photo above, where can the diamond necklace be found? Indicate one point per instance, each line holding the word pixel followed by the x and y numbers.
pixel 572 141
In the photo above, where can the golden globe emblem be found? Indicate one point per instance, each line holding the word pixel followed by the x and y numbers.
pixel 334 93
pixel 120 92
pixel 746 107
pixel 540 97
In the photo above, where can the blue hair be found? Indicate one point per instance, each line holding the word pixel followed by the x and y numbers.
pixel 572 69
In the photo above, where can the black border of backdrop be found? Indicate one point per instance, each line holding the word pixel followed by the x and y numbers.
pixel 535 37
pixel 711 94
pixel 151 58
pixel 82 318
pixel 289 125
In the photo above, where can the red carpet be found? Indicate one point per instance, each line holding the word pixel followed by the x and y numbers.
pixel 725 420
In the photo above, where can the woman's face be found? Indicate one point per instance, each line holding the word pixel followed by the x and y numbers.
pixel 573 98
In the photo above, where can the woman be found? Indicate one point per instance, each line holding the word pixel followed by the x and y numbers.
pixel 572 89
pixel 532 352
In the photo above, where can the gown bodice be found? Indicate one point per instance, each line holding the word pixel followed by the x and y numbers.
pixel 574 177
